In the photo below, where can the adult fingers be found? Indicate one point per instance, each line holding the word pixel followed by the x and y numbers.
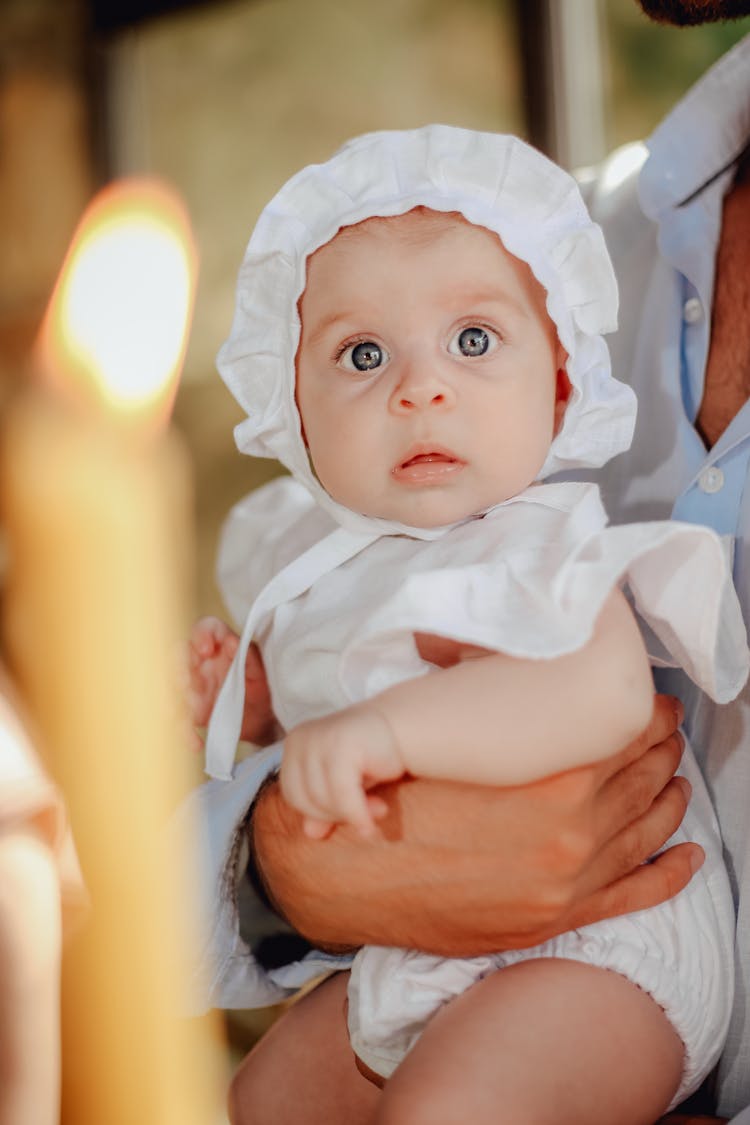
pixel 665 719
pixel 642 838
pixel 631 792
pixel 648 885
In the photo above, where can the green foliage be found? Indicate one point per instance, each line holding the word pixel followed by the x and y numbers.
pixel 651 65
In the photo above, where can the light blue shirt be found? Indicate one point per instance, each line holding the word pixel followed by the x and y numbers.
pixel 660 206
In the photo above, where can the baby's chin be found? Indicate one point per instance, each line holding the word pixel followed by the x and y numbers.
pixel 426 516
pixel 425 509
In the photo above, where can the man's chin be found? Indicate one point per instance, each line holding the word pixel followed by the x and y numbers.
pixel 689 13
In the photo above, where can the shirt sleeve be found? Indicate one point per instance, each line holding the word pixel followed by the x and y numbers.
pixel 226 971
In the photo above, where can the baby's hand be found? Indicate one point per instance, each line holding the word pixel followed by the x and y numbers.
pixel 211 649
pixel 329 764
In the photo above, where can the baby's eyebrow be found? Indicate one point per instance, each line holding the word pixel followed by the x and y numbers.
pixel 480 297
pixel 326 322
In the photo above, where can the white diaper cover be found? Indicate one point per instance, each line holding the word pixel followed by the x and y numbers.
pixel 680 953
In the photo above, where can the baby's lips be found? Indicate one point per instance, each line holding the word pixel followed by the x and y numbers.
pixel 426 453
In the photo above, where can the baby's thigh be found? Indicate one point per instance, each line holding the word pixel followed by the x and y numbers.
pixel 303 1070
pixel 543 1042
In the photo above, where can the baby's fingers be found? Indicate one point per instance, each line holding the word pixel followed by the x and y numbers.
pixel 204 634
pixel 377 806
pixel 325 794
pixel 347 799
pixel 317 829
pixel 209 634
pixel 200 703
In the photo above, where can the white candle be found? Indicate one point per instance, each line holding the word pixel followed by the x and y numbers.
pixel 96 499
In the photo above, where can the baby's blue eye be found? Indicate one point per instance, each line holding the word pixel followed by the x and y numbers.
pixel 473 341
pixel 365 356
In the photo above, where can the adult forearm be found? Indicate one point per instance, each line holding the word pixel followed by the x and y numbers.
pixel 461 869
pixel 393 889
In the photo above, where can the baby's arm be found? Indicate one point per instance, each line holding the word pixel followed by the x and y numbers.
pixel 552 715
pixel 211 650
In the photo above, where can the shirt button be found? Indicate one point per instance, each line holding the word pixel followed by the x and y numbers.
pixel 692 310
pixel 711 480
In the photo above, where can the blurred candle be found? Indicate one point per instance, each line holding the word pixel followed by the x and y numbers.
pixel 96 496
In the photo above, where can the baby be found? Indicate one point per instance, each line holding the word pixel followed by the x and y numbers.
pixel 418 339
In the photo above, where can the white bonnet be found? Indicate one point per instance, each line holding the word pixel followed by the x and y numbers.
pixel 494 181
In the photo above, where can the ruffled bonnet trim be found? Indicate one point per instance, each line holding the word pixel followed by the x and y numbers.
pixel 495 181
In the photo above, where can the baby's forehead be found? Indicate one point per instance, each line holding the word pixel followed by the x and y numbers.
pixel 419 225
pixel 420 228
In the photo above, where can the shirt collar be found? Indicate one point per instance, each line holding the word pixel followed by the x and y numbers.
pixel 703 135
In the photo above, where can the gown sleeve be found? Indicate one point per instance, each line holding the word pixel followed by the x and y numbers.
pixel 539 598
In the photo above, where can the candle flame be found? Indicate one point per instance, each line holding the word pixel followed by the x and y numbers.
pixel 116 329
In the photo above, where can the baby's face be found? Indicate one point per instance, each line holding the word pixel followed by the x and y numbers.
pixel 429 376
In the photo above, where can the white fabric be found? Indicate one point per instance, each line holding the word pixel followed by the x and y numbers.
pixel 225 973
pixel 504 186
pixel 285 586
pixel 496 181
pixel 529 579
pixel 680 953
pixel 543 556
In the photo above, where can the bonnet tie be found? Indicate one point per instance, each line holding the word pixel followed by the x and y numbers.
pixel 225 724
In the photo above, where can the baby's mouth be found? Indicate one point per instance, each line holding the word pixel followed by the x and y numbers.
pixel 427 459
pixel 427 464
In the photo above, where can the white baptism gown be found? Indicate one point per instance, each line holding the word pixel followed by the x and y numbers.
pixel 527 579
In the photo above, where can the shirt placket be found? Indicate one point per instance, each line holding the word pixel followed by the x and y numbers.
pixel 713 494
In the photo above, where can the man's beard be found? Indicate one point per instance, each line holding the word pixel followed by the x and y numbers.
pixel 686 13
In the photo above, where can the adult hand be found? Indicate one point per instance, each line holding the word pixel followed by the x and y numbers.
pixel 460 869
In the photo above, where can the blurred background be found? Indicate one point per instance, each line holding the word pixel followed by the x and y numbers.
pixel 226 99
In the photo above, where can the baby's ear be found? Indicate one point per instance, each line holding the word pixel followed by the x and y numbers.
pixel 562 391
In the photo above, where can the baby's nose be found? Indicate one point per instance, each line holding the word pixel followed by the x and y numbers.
pixel 419 390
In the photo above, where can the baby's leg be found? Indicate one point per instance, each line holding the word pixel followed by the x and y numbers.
pixel 544 1042
pixel 303 1070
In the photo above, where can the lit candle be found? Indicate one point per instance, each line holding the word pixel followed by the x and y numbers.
pixel 95 495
